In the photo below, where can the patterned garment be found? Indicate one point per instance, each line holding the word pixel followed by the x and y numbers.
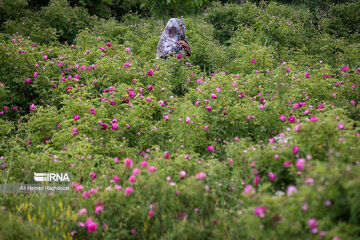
pixel 168 43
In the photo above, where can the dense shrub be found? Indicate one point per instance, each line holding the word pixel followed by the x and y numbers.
pixel 228 143
pixel 344 20
pixel 11 10
pixel 68 21
pixel 226 20
pixel 57 20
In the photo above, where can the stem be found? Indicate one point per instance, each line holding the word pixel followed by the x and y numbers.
pixel 279 52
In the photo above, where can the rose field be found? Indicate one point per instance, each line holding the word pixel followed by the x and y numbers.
pixel 256 135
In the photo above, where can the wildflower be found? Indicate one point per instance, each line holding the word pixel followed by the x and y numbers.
pixel 144 164
pixel 92 175
pixel 166 117
pixel 114 126
pixel 340 126
pixel 291 119
pixel 211 148
pixel 32 107
pixel 112 102
pixel 179 56
pixel 257 180
pixel 241 95
pixel 91 226
pixel 82 211
pixel 253 60
pixel 128 190
pixel 75 131
pixel 76 117
pixel 345 68
pixel 128 162
pixel 28 81
pixel 3 165
pixel 92 111
pixel 287 164
pixel 291 190
pixel 260 211
pixel 166 155
pixel 200 175
pixel 131 94
pixel 135 171
pixel 213 96
pixel 314 119
pixel 183 174
pixel 104 126
pixel 150 72
pixel 249 190
pixel 208 108
pixel 98 209
pixel 151 169
pixel 300 164
pixel 151 213
pixel 312 223
pixel 116 179
pixel 307 75
pixel 132 179
pixel 282 117
pixel 272 176
pixel 309 181
pixel 297 128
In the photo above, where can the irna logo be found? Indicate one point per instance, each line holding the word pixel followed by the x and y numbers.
pixel 51 177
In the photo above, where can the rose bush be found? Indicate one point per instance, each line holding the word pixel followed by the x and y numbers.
pixel 229 143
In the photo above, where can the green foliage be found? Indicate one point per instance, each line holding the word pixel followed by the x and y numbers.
pixel 55 21
pixel 344 20
pixel 215 128
pixel 68 21
pixel 11 10
pixel 32 27
pixel 227 19
pixel 277 32
pixel 166 8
